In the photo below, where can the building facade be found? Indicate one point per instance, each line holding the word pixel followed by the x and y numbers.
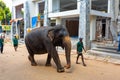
pixel 102 20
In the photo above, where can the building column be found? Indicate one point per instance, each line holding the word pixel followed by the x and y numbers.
pixel 92 27
pixel 78 5
pixel 26 17
pixel 16 28
pixel 13 17
pixel 113 9
pixel 12 31
pixel 58 20
pixel 13 12
pixel 46 21
pixel 50 5
pixel 109 6
pixel 84 22
pixel 56 5
pixel 107 28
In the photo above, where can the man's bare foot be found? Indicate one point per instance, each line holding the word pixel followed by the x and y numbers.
pixel 77 63
pixel 84 65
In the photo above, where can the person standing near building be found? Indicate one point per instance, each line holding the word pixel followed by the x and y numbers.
pixel 15 43
pixel 118 42
pixel 2 37
pixel 80 48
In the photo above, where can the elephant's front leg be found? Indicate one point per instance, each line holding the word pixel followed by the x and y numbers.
pixel 52 50
pixel 48 62
pixel 56 59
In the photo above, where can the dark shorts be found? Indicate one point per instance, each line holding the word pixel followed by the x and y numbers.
pixel 79 53
pixel 15 45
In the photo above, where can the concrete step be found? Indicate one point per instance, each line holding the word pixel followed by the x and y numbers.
pixel 107 47
pixel 104 54
pixel 107 50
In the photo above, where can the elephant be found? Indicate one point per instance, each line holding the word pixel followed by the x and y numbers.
pixel 45 39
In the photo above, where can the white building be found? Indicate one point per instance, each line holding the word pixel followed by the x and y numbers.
pixel 104 16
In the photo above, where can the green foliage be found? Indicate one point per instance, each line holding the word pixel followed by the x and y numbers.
pixel 1 13
pixel 5 14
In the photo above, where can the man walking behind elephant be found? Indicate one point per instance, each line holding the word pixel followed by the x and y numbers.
pixel 80 48
pixel 15 43
pixel 2 37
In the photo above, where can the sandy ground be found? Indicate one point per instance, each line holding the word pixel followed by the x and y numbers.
pixel 16 66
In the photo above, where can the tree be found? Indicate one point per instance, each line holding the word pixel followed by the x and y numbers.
pixel 5 14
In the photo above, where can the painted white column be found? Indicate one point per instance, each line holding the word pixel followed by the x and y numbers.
pixel 13 12
pixel 113 7
pixel 78 5
pixel 13 17
pixel 56 5
pixel 117 14
pixel 92 27
pixel 84 22
pixel 63 21
pixel 46 21
pixel 26 17
pixel 58 20
pixel 107 28
pixel 109 6
pixel 50 2
pixel 16 28
pixel 38 23
pixel 12 32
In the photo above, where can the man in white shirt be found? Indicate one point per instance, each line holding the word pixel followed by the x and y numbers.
pixel 2 37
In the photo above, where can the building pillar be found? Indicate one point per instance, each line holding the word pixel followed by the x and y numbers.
pixel 38 23
pixel 50 5
pixel 26 17
pixel 56 5
pixel 84 22
pixel 78 5
pixel 58 20
pixel 16 28
pixel 113 9
pixel 107 28
pixel 12 31
pixel 46 21
pixel 109 6
pixel 13 12
pixel 92 27
pixel 13 17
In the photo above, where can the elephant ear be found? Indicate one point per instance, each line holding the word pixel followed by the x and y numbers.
pixel 51 34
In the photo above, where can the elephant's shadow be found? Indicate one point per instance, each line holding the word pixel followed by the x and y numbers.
pixel 41 62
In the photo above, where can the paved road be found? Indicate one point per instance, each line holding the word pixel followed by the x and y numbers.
pixel 15 66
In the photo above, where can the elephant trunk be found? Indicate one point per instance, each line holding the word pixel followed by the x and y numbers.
pixel 67 45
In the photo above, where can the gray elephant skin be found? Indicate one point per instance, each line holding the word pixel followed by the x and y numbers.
pixel 45 40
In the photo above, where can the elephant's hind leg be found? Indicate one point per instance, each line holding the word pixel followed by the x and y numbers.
pixel 31 56
pixel 48 62
pixel 32 60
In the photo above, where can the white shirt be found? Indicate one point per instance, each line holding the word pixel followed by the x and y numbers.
pixel 2 35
